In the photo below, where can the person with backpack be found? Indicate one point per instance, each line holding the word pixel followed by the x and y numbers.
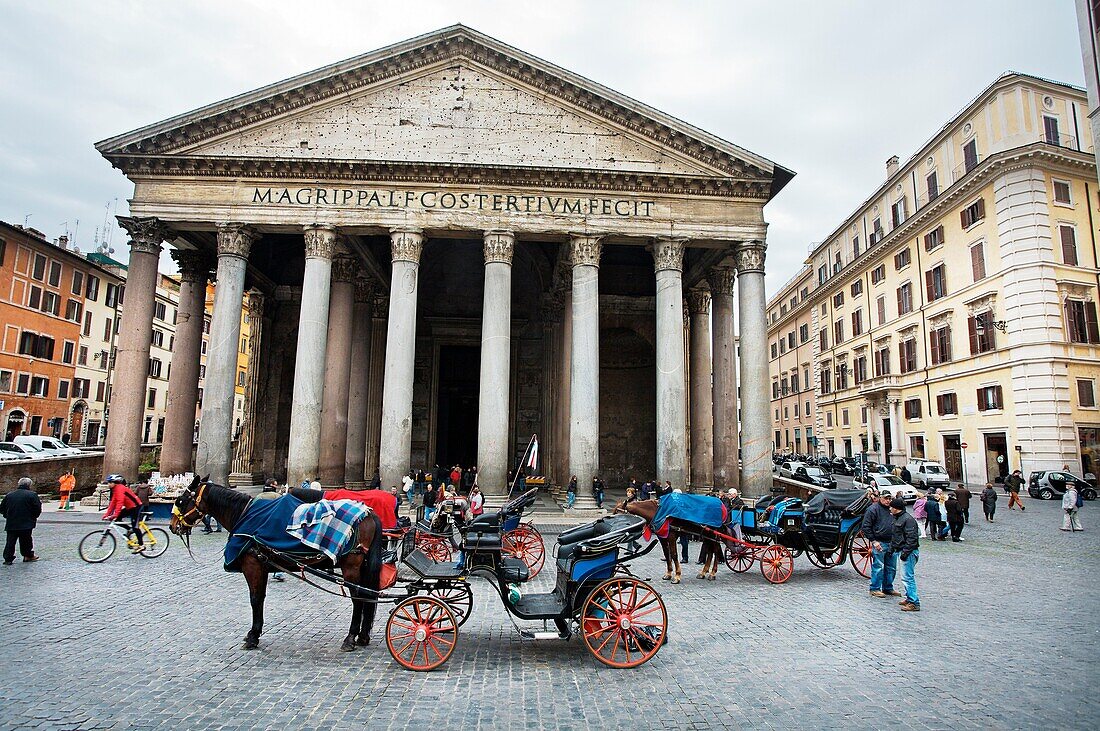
pixel 1071 503
pixel 1013 484
pixel 935 517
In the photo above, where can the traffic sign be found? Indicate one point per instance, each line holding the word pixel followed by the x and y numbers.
pixel 963 445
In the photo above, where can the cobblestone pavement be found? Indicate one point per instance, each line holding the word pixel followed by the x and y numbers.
pixel 1007 639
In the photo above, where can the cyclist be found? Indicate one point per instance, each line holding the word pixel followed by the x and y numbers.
pixel 124 504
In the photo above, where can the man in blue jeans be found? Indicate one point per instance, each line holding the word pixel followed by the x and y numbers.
pixel 906 543
pixel 878 528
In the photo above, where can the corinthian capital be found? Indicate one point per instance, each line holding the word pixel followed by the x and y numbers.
pixel 235 239
pixel 194 265
pixel 499 246
pixel 344 269
pixel 406 244
pixel 584 250
pixel 698 301
pixel 320 241
pixel 364 289
pixel 721 280
pixel 749 257
pixel 668 253
pixel 146 234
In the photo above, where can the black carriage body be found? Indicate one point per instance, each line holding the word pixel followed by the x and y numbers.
pixel 822 527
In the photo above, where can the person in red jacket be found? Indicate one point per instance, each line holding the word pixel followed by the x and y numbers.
pixel 124 504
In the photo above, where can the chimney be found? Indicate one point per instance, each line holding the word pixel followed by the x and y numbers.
pixel 892 166
pixel 63 241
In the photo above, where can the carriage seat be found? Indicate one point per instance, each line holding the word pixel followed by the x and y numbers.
pixel 485 523
pixel 606 532
pixel 482 533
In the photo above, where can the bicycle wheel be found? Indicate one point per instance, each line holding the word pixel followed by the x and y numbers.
pixel 159 545
pixel 98 546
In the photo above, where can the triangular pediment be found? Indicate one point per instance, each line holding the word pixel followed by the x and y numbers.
pixel 453 97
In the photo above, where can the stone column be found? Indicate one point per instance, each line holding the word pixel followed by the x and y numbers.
pixel 245 465
pixel 303 458
pixel 724 391
pixel 668 258
pixel 355 461
pixel 380 306
pixel 123 450
pixel 337 380
pixel 215 450
pixel 702 406
pixel 584 374
pixel 496 364
pixel 897 454
pixel 756 422
pixel 395 442
pixel 183 381
pixel 870 406
pixel 880 453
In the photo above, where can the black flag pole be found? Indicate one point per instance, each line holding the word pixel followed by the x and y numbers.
pixel 522 462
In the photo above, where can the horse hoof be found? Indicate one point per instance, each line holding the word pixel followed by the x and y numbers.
pixel 362 641
pixel 665 578
pixel 676 581
pixel 348 646
pixel 713 577
pixel 701 576
pixel 250 644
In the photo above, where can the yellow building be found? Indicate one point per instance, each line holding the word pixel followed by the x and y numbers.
pixel 242 362
pixel 791 359
pixel 953 314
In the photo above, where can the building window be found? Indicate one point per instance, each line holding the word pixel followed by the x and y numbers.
pixel 940 342
pixel 40 386
pixel 970 155
pixel 158 338
pixel 882 361
pixel 782 311
pixel 982 338
pixel 838 299
pixel 1086 393
pixel 838 263
pixel 790 340
pixel 51 303
pixel 240 378
pixel 794 382
pixel 1050 130
pixel 203 348
pixel 973 213
pixel 844 417
pixel 857 323
pixel 5 381
pixel 860 369
pixel 77 287
pixel 36 346
pixel 796 410
pixel 775 351
pixel 916 447
pixel 1062 193
pixel 977 261
pixel 905 299
pixel 806 412
pixel 67 351
pixel 38 271
pixel 55 274
pixel 63 389
pixel 912 408
pixel 108 324
pixel 91 291
pixel 838 332
pixel 863 416
pixel 829 419
pixel 855 246
pixel 876 233
pixel 935 282
pixel 878 274
pixel 990 398
pixel 822 273
pixel 947 404
pixel 82 355
pixel 826 380
pixel 99 390
pixel 933 186
pixel 23 383
pixel 111 298
pixel 907 355
pixel 1069 245
pixel 244 345
pixel 899 212
pixel 933 239
pixel 151 399
pixel 206 325
pixel 159 311
pixel 857 287
pixel 803 333
pixel 786 413
pixel 154 367
pixel 823 340
pixel 1081 323
pixel 842 377
pixel 881 310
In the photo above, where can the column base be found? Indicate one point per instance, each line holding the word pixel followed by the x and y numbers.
pixel 245 479
pixel 360 485
pixel 896 458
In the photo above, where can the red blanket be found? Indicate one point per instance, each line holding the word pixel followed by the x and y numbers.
pixel 383 503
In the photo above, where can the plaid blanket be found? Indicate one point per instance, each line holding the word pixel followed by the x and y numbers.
pixel 328 525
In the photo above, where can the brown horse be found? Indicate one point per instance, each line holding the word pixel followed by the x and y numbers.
pixel 711 551
pixel 361 567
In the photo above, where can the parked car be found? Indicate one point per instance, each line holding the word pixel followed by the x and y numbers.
pixel 842 466
pixel 52 447
pixel 1047 485
pixel 21 451
pixel 814 475
pixel 928 474
pixel 896 486
pixel 825 463
pixel 787 469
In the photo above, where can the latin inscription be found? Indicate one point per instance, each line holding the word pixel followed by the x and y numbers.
pixel 447 201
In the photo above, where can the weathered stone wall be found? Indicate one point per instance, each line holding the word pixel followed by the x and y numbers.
pixel 274 391
pixel 87 468
pixel 628 407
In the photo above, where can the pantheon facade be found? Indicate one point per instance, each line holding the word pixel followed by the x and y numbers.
pixel 448 246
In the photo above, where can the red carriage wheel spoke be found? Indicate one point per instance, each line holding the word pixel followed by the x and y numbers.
pixel 615 631
pixel 421 633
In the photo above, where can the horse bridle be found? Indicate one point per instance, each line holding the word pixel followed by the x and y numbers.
pixel 193 515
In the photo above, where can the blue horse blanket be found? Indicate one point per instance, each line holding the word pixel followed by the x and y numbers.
pixel 265 522
pixel 699 509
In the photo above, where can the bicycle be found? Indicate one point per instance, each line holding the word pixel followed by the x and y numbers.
pixel 100 545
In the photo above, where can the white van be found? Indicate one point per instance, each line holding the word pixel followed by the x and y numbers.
pixel 50 447
pixel 925 474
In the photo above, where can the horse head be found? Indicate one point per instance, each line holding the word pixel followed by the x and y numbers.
pixel 189 508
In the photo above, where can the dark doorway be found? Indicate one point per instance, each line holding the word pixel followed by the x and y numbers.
pixel 456 410
pixel 952 456
pixel 996 457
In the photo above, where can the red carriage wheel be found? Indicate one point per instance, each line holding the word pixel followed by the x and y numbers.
pixel 859 553
pixel 458 597
pixel 435 548
pixel 624 622
pixel 776 564
pixel 739 557
pixel 525 543
pixel 825 560
pixel 421 633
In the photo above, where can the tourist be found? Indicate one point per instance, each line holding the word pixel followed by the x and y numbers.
pixel 429 501
pixel 962 494
pixel 1014 482
pixel 21 508
pixel 954 517
pixel 646 492
pixel 473 477
pixel 396 496
pixel 736 505
pixel 878 527
pixel 456 475
pixel 571 492
pixel 920 513
pixel 597 490
pixel 932 508
pixel 1071 503
pixel 407 484
pixel 145 494
pixel 125 504
pixel 907 476
pixel 418 483
pixel 477 501
pixel 375 482
pixel 905 544
pixel 989 501
pixel 632 496
pixel 270 491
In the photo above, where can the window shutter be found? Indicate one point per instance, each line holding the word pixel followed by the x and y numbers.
pixel 900 310
pixel 935 345
pixel 1069 245
pixel 979 209
pixel 972 324
pixel 928 286
pixel 1091 329
pixel 964 218
pixel 977 261
pixel 981 399
pixel 998 401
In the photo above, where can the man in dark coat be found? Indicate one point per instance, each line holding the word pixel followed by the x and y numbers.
pixel 955 517
pixel 878 527
pixel 21 507
pixel 906 544
pixel 963 496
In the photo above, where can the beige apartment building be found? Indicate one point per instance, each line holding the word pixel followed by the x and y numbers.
pixel 953 314
pixel 791 363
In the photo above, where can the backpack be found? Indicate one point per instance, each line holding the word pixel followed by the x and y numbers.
pixel 1080 500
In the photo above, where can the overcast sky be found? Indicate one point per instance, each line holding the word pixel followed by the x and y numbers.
pixel 827 89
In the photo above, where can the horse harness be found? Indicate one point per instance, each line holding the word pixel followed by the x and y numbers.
pixel 193 515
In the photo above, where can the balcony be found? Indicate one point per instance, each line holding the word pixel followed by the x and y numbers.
pixel 879 385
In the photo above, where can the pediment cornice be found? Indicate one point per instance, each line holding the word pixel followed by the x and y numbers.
pixel 135 151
